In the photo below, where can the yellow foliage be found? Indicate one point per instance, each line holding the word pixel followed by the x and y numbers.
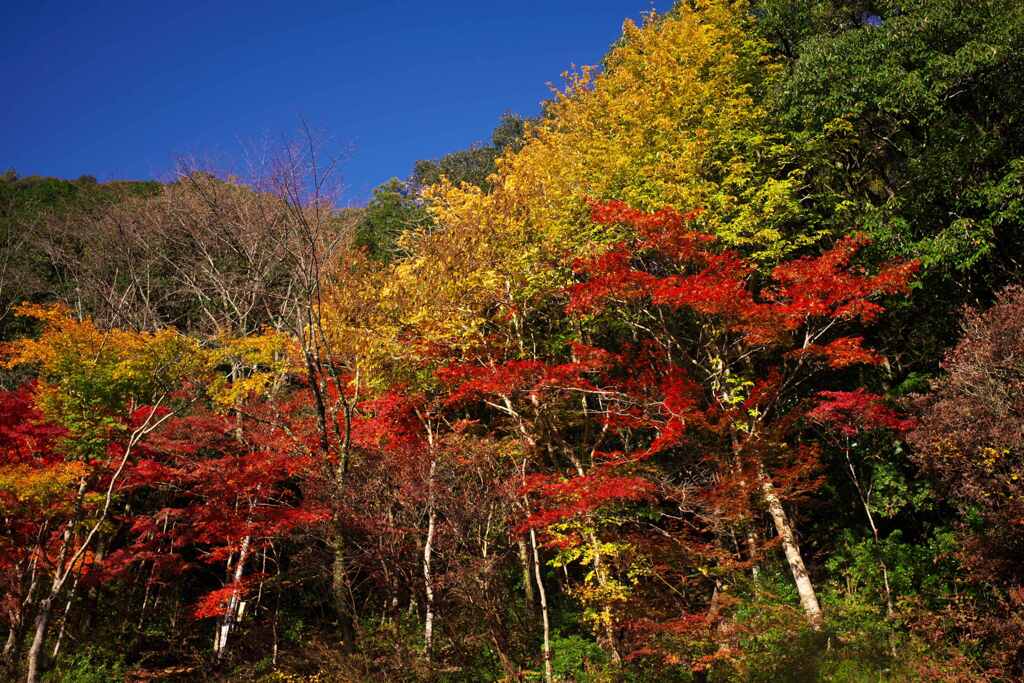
pixel 246 367
pixel 669 121
pixel 32 486
pixel 87 377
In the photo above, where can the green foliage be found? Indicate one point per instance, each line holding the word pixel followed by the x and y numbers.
pixel 474 165
pixel 393 210
pixel 294 630
pixel 923 570
pixel 91 665
pixel 30 196
pixel 860 644
pixel 575 657
pixel 906 116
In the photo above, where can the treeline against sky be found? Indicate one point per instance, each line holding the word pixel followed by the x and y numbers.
pixel 713 371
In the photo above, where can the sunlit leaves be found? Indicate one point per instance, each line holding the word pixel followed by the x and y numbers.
pixel 247 367
pixel 91 380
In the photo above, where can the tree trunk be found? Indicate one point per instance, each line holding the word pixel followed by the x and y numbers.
pixel 42 620
pixel 606 612
pixel 874 530
pixel 35 652
pixel 227 622
pixel 19 617
pixel 12 638
pixel 501 648
pixel 543 608
pixel 602 580
pixel 752 550
pixel 524 561
pixel 428 582
pixel 804 587
pixel 64 620
pixel 340 594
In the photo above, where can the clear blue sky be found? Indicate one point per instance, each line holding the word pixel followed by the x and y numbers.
pixel 121 89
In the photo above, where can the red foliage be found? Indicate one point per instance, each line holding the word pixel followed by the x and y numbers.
pixel 567 498
pixel 852 412
pixel 215 603
pixel 719 282
pixel 472 382
pixel 840 353
pixel 24 435
pixel 220 481
pixel 704 405
pixel 828 286
pixel 36 491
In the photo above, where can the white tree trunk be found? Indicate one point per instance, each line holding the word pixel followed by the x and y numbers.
pixel 231 614
pixel 543 608
pixel 804 587
pixel 38 638
pixel 524 560
pixel 428 549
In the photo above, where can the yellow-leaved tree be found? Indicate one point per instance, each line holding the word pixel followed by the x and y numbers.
pixel 671 118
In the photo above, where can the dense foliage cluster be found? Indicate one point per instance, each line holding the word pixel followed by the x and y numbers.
pixel 712 372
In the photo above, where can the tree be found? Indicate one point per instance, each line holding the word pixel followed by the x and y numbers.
pixel 36 492
pixel 671 119
pixel 901 115
pixel 851 417
pixel 394 209
pixel 397 207
pixel 691 365
pixel 230 493
pixel 28 207
pixel 473 166
pixel 109 391
pixel 206 255
pixel 968 441
pixel 972 426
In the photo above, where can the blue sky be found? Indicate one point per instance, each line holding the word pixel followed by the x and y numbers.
pixel 121 89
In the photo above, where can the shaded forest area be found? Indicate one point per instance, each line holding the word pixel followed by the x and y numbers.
pixel 713 371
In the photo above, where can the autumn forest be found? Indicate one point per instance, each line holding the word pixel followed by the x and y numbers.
pixel 711 371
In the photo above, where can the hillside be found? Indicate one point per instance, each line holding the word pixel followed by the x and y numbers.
pixel 713 371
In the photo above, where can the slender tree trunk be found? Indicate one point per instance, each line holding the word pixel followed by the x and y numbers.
pixel 38 639
pixel 602 580
pixel 64 620
pixel 606 612
pixel 524 561
pixel 501 648
pixel 91 609
pixel 752 550
pixel 543 607
pixel 42 621
pixel 874 529
pixel 229 619
pixel 65 564
pixel 804 587
pixel 428 581
pixel 20 614
pixel 340 594
pixel 715 604
pixel 12 637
